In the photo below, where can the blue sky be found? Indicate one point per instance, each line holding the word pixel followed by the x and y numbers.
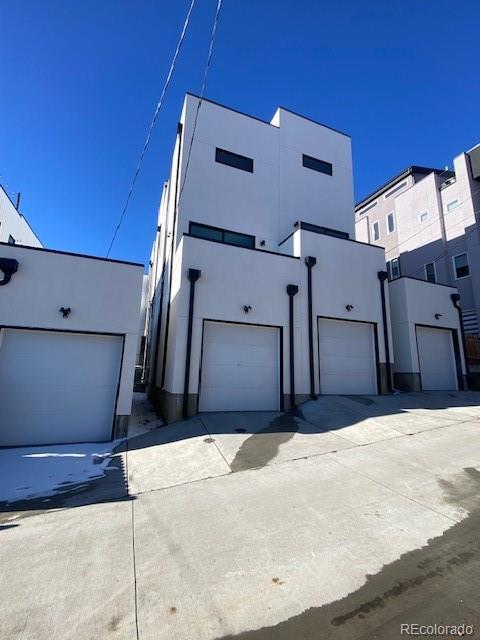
pixel 80 80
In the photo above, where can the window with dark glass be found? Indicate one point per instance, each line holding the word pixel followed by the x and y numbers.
pixel 317 165
pixel 11 240
pixel 462 270
pixel 233 160
pixel 222 235
pixel 430 272
pixel 393 268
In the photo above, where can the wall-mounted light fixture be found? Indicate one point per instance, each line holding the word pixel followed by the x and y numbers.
pixel 8 266
pixel 247 308
pixel 262 243
pixel 65 311
pixel 438 316
pixel 349 307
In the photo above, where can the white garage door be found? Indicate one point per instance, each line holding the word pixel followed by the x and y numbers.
pixel 347 357
pixel 437 359
pixel 240 368
pixel 57 387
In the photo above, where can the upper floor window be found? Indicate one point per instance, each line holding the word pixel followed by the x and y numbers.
pixel 317 165
pixel 394 190
pixel 390 222
pixel 430 273
pixel 461 267
pixel 452 205
pixel 424 216
pixel 11 240
pixel 393 268
pixel 374 204
pixel 234 160
pixel 376 231
pixel 221 235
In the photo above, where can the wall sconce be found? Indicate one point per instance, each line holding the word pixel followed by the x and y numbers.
pixel 349 307
pixel 438 316
pixel 65 311
pixel 262 243
pixel 247 308
pixel 8 267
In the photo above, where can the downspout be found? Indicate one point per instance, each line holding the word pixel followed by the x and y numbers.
pixel 455 297
pixel 193 276
pixel 292 290
pixel 382 276
pixel 310 261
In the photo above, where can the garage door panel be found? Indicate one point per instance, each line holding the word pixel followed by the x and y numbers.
pixel 240 368
pixel 346 357
pixel 57 387
pixel 436 359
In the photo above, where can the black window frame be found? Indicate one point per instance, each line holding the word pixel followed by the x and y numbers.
pixel 222 232
pixel 427 278
pixel 235 160
pixel 315 164
pixel 467 266
pixel 391 275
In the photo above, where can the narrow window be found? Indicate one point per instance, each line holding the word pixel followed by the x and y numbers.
pixel 11 240
pixel 430 274
pixel 393 268
pixel 221 235
pixel 423 217
pixel 233 160
pixel 360 213
pixel 394 190
pixel 390 222
pixel 376 231
pixel 317 165
pixel 460 262
pixel 452 205
pixel 203 231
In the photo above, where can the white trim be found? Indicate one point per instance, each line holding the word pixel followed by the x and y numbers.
pixel 374 239
pixel 391 213
pixel 464 253
pixel 434 271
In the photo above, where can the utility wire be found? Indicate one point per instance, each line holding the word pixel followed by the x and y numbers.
pixel 202 93
pixel 152 124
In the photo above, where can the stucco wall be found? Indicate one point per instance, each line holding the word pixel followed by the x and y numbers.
pixel 104 297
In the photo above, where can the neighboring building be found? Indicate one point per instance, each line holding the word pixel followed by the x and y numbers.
pixel 68 341
pixel 14 229
pixel 427 220
pixel 259 296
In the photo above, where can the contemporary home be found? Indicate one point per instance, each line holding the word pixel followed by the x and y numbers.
pixel 69 327
pixel 427 221
pixel 14 228
pixel 259 295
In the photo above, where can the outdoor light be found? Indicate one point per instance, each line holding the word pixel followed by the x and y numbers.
pixel 438 316
pixel 247 308
pixel 8 267
pixel 65 311
pixel 349 307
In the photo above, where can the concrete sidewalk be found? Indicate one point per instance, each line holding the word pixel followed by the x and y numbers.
pixel 342 520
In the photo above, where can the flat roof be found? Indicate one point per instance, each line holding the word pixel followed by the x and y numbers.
pixel 403 174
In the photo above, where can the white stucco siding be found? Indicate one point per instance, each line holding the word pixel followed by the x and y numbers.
pixel 104 297
pixel 233 277
pixel 415 302
pixel 13 224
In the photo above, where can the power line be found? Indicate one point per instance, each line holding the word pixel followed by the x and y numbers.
pixel 152 124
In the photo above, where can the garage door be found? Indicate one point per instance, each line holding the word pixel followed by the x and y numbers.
pixel 240 368
pixel 57 387
pixel 347 357
pixel 436 359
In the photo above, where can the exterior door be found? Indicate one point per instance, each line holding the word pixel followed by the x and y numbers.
pixel 436 359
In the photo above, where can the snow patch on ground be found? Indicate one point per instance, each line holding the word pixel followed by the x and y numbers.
pixel 34 472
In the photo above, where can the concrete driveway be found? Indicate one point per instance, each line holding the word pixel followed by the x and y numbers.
pixel 346 519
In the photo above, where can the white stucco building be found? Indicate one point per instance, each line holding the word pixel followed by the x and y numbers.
pixel 259 296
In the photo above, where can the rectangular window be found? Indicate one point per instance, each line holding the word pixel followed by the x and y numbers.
pixel 460 263
pixel 374 204
pixel 452 205
pixel 317 165
pixel 234 160
pixel 221 235
pixel 393 268
pixel 394 190
pixel 375 231
pixel 423 217
pixel 390 222
pixel 11 240
pixel 430 273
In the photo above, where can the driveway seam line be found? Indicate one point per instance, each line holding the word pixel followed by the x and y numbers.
pixel 134 563
pixel 215 443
